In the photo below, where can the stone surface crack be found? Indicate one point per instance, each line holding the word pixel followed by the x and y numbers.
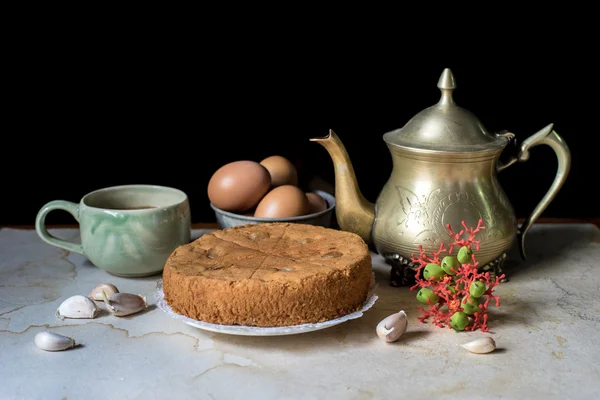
pixel 569 302
pixel 46 326
pixel 223 364
pixel 17 309
pixel 144 334
pixel 207 370
pixel 111 326
pixel 562 290
pixel 74 266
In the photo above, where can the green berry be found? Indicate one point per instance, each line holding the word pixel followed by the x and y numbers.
pixel 477 289
pixel 470 306
pixel 427 294
pixel 459 321
pixel 450 265
pixel 433 270
pixel 464 255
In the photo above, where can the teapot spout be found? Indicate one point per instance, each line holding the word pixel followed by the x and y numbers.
pixel 354 213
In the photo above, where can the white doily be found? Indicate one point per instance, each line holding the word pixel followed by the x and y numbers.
pixel 262 331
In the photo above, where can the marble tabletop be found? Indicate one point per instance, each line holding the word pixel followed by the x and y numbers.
pixel 546 330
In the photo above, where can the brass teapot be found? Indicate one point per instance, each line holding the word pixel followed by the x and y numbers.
pixel 445 164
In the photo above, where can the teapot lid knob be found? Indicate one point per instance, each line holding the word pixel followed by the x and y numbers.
pixel 445 127
pixel 446 84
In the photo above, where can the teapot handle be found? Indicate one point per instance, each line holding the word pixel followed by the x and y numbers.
pixel 549 137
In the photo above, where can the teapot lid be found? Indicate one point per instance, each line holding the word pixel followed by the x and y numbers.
pixel 445 126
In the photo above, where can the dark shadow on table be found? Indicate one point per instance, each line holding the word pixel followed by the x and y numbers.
pixel 546 242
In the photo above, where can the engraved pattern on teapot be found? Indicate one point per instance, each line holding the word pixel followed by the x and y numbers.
pixel 430 212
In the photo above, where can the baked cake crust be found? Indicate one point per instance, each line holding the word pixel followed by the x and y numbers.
pixel 272 274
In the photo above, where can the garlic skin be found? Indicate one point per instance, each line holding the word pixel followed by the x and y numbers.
pixel 122 304
pixel 392 327
pixel 77 306
pixel 109 288
pixel 480 346
pixel 50 341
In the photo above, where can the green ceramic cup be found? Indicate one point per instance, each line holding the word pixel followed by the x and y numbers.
pixel 127 230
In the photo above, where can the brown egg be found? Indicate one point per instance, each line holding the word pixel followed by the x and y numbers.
pixel 282 202
pixel 315 203
pixel 282 171
pixel 238 186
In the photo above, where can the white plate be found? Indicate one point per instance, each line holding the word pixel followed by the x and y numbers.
pixel 260 331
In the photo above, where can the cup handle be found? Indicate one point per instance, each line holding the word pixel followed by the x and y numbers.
pixel 42 231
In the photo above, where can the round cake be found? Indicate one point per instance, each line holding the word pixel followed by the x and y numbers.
pixel 271 274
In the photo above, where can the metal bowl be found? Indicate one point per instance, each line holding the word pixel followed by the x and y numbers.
pixel 226 219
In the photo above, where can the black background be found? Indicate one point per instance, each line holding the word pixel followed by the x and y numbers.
pixel 88 114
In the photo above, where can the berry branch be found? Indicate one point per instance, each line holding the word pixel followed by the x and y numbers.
pixel 458 295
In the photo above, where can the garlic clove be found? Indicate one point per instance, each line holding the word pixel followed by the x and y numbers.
pixel 480 346
pixel 110 289
pixel 392 327
pixel 50 341
pixel 77 306
pixel 122 304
